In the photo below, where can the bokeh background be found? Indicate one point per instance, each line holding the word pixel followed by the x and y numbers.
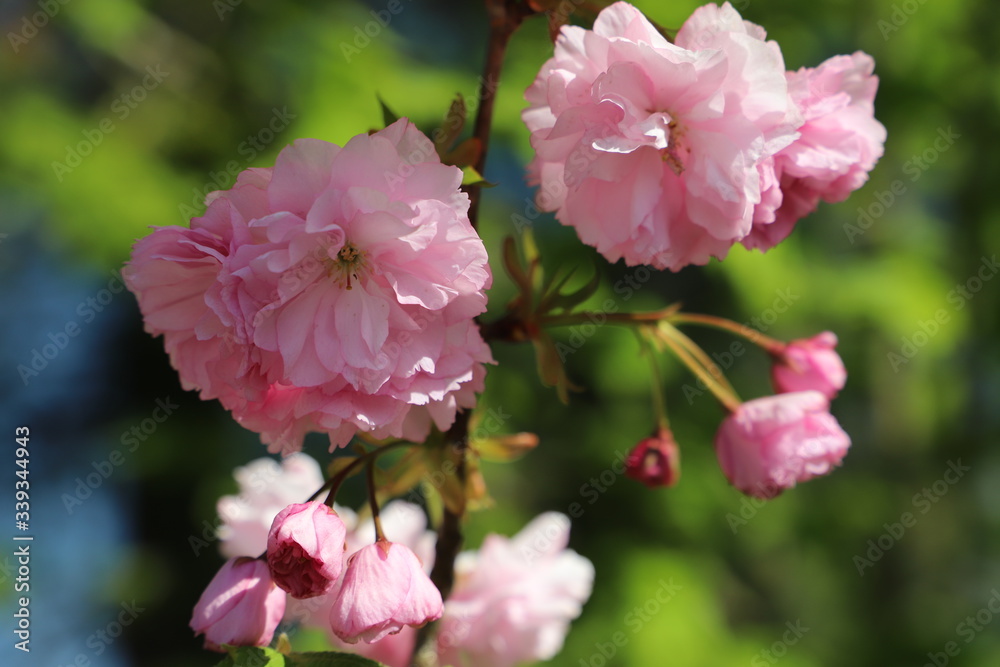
pixel 145 105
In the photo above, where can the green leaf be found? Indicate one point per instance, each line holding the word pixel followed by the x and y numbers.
pixel 533 259
pixel 388 115
pixel 550 367
pixel 465 154
pixel 404 475
pixel 555 300
pixel 503 448
pixel 254 656
pixel 329 659
pixel 471 177
pixel 454 121
pixel 444 480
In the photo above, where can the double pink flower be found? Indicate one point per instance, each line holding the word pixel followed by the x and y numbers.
pixel 769 444
pixel 667 154
pixel 334 292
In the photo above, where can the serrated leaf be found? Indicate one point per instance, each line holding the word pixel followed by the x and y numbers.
pixel 388 115
pixel 454 122
pixel 471 177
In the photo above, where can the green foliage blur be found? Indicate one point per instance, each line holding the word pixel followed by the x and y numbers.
pixel 194 91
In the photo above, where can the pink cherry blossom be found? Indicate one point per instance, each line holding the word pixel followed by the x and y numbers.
pixel 514 599
pixel 403 523
pixel 241 606
pixel 839 145
pixel 769 444
pixel 305 549
pixel 265 488
pixel 384 589
pixel 655 461
pixel 810 363
pixel 655 152
pixel 335 292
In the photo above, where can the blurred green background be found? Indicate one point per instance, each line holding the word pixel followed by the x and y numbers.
pixel 117 115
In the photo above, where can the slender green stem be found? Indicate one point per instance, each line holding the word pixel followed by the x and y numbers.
pixel 338 479
pixel 772 345
pixel 699 354
pixel 320 490
pixel 624 319
pixel 725 395
pixel 656 380
pixel 373 502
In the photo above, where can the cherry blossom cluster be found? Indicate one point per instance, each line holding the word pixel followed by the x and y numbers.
pixel 338 292
pixel 383 588
pixel 512 601
pixel 668 153
pixel 768 444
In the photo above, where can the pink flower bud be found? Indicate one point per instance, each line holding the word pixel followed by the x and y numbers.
pixel 810 364
pixel 305 549
pixel 768 444
pixel 655 461
pixel 241 606
pixel 384 590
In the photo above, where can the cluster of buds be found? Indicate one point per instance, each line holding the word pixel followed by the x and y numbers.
pixel 383 588
pixel 768 444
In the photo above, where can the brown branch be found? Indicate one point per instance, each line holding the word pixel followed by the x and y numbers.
pixel 505 17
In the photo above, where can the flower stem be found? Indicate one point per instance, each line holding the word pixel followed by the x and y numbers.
pixel 505 17
pixel 626 319
pixel 771 345
pixel 656 380
pixel 698 363
pixel 338 479
pixel 373 502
